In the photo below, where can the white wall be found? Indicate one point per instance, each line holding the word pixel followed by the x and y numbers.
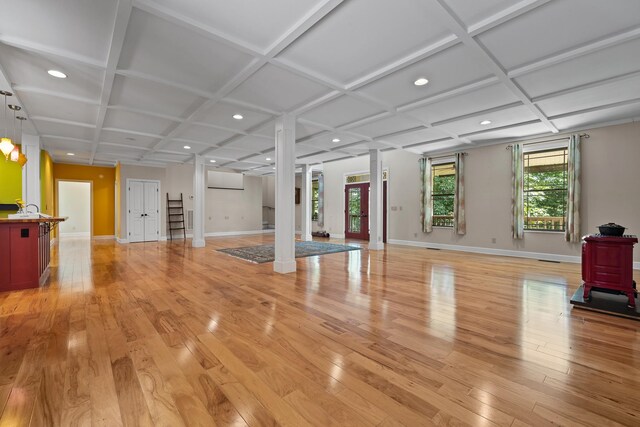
pixel 225 210
pixel 610 177
pixel 74 201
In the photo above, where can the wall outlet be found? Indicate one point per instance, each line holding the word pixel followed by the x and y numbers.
pixel 400 207
pixel 394 208
pixel 415 234
pixel 493 240
pixel 226 217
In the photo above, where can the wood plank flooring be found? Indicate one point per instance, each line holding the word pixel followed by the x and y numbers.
pixel 163 334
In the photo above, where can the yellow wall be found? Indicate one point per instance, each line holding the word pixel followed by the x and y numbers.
pixel 46 183
pixel 103 179
pixel 118 219
pixel 10 182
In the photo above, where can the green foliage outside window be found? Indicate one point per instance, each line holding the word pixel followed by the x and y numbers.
pixel 443 191
pixel 314 200
pixel 545 190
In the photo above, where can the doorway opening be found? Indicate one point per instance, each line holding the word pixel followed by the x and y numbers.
pixel 74 200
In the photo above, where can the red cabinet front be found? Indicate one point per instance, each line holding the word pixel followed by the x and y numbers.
pixel 607 263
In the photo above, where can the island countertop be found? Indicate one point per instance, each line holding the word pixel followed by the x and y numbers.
pixel 32 220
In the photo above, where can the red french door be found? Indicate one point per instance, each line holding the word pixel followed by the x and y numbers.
pixel 356 211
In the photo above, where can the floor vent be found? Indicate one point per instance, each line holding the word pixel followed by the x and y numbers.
pixel 433 249
pixel 548 260
pixel 189 219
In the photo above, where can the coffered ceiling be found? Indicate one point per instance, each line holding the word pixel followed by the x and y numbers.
pixel 148 78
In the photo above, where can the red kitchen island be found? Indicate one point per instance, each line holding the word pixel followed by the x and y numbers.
pixel 24 252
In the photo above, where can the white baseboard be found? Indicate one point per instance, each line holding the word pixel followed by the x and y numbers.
pixel 238 233
pixel 489 251
pixel 337 236
pixel 122 241
pixel 104 237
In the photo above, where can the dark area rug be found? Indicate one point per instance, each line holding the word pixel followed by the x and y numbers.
pixel 266 253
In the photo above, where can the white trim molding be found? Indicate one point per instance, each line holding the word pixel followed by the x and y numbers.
pixel 489 251
pixel 105 237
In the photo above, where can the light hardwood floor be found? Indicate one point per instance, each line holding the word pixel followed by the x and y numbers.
pixel 162 334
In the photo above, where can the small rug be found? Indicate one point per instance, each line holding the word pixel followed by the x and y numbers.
pixel 266 253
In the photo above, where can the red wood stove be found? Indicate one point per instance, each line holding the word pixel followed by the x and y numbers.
pixel 607 264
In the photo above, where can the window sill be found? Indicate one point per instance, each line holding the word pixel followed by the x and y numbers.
pixel 561 233
pixel 443 227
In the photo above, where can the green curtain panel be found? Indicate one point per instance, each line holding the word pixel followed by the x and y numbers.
pixel 320 201
pixel 572 221
pixel 517 200
pixel 426 201
pixel 459 219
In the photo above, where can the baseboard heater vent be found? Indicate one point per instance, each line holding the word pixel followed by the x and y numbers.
pixel 189 219
pixel 549 260
pixel 433 249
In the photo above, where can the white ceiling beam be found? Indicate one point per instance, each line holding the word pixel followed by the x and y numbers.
pixel 63 122
pixel 41 49
pixel 55 94
pixel 605 42
pixel 143 112
pixel 401 63
pixel 591 85
pixel 460 90
pixel 504 15
pixel 155 79
pixel 477 113
pixel 130 147
pixel 511 126
pixel 123 14
pixel 595 109
pixel 174 17
pixel 133 132
pixel 454 24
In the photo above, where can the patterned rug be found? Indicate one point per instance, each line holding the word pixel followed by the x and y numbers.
pixel 266 253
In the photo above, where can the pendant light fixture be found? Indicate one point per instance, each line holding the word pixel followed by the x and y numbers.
pixel 22 159
pixel 6 144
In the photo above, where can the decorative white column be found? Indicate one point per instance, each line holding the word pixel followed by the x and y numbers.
pixel 198 203
pixel 31 171
pixel 285 259
pixel 305 204
pixel 375 200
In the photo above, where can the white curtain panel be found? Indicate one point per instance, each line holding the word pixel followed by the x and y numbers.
pixel 572 220
pixel 426 201
pixel 459 219
pixel 517 195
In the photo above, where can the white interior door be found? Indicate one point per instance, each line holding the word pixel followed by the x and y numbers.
pixel 151 211
pixel 136 211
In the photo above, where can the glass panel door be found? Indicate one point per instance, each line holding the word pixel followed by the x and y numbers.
pixel 357 211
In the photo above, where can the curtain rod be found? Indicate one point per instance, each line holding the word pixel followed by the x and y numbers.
pixel 584 135
pixel 443 157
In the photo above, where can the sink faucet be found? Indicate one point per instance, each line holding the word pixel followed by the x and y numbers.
pixel 26 208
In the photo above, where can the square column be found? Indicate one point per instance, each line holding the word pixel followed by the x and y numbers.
pixel 285 256
pixel 375 200
pixel 305 204
pixel 198 203
pixel 30 147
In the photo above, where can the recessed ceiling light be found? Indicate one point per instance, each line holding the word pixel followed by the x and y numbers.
pixel 212 161
pixel 421 81
pixel 485 122
pixel 268 159
pixel 238 116
pixel 335 140
pixel 186 147
pixel 70 154
pixel 57 74
pixel 274 168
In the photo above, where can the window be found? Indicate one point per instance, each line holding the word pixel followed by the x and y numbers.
pixel 314 200
pixel 545 189
pixel 443 193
